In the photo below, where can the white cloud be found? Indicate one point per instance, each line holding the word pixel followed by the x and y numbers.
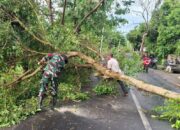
pixel 135 18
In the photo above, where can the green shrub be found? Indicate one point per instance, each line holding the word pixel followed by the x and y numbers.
pixel 11 113
pixel 105 88
pixel 129 60
pixel 169 111
pixel 69 92
pixel 16 102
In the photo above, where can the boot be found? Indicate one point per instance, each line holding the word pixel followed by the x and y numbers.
pixel 53 102
pixel 40 101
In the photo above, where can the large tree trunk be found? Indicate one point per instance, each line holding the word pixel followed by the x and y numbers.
pixel 142 43
pixel 50 7
pixel 137 83
pixel 50 11
pixel 64 10
pixel 104 71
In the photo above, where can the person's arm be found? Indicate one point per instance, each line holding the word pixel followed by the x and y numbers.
pixel 45 59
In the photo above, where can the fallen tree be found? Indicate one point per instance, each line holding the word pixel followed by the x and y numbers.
pixel 104 71
pixel 137 83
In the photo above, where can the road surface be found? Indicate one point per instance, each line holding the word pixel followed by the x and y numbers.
pixel 107 112
pixel 148 101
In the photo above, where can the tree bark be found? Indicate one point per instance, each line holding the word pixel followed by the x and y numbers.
pixel 64 10
pixel 24 76
pixel 137 83
pixel 104 71
pixel 49 3
pixel 142 43
pixel 18 79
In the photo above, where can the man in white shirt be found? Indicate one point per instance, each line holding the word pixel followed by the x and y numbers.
pixel 113 65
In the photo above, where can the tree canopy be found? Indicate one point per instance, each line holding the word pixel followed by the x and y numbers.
pixel 29 29
pixel 32 28
pixel 163 34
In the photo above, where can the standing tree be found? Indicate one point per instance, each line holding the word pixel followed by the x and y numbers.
pixel 147 7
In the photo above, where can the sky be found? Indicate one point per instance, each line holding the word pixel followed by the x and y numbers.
pixel 134 19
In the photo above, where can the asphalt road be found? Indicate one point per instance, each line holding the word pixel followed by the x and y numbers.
pixel 148 101
pixel 105 112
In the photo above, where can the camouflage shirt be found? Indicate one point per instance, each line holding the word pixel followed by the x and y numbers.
pixel 55 63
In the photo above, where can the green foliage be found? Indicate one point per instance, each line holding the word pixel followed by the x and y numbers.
pixel 135 36
pixel 170 111
pixel 105 88
pixel 16 103
pixel 164 31
pixel 129 60
pixel 25 30
pixel 69 92
pixel 12 113
pixel 168 30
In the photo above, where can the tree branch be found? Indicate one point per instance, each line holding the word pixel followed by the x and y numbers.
pixel 37 15
pixel 18 79
pixel 50 11
pixel 14 17
pixel 83 65
pixel 104 71
pixel 87 15
pixel 137 83
pixel 64 10
pixel 91 49
pixel 142 42
pixel 33 51
pixel 33 35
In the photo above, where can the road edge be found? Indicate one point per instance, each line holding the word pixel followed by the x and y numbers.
pixel 144 119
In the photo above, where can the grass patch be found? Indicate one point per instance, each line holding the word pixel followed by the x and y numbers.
pixel 170 111
pixel 69 92
pixel 105 88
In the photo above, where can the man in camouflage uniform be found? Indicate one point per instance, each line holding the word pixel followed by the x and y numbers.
pixel 54 64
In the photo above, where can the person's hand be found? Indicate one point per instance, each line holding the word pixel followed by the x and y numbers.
pixel 41 63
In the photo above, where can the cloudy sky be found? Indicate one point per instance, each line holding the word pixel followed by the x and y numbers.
pixel 133 21
pixel 133 17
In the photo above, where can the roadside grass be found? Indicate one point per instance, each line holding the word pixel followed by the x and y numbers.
pixel 105 88
pixel 170 111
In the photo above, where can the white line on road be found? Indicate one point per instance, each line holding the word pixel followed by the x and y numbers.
pixel 141 113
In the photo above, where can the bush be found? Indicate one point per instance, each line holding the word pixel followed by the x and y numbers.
pixel 69 92
pixel 105 88
pixel 129 60
pixel 16 102
pixel 169 111
pixel 11 113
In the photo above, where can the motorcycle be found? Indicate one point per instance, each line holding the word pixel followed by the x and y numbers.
pixel 153 63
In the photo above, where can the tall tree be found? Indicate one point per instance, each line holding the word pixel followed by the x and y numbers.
pixel 63 14
pixel 147 7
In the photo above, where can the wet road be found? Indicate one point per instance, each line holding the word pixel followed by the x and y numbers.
pixel 148 101
pixel 105 112
pixel 98 113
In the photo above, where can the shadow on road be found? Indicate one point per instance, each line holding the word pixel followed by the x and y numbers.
pixel 99 113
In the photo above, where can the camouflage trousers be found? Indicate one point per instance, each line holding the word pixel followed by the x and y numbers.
pixel 45 81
